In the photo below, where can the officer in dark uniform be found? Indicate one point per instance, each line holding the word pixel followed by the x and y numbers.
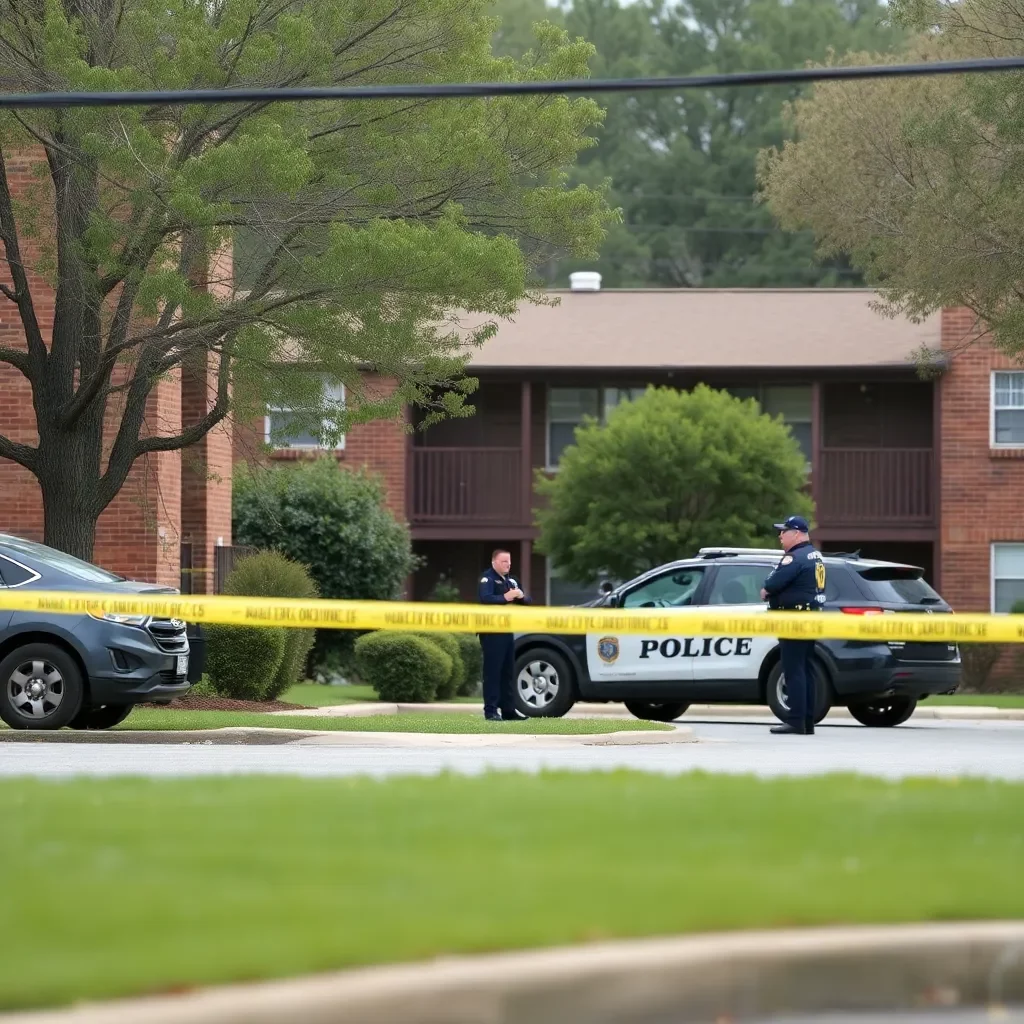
pixel 797 584
pixel 497 587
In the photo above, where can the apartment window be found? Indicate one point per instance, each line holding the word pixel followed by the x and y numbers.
pixel 284 429
pixel 1008 408
pixel 790 401
pixel 562 592
pixel 568 407
pixel 1007 576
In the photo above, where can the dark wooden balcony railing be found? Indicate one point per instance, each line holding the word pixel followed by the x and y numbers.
pixel 466 485
pixel 876 486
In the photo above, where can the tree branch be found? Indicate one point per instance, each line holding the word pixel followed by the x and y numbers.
pixel 22 454
pixel 19 360
pixel 21 295
pixel 196 432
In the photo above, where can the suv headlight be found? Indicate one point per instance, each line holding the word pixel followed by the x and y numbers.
pixel 125 620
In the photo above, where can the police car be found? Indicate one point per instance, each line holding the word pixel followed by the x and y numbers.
pixel 659 677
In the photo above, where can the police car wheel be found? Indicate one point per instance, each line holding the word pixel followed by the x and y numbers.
pixel 775 694
pixel 650 712
pixel 885 712
pixel 544 685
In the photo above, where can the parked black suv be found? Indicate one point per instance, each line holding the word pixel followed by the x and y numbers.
pixel 659 677
pixel 84 671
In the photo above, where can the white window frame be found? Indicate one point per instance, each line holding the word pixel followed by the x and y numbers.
pixel 992 570
pixel 992 410
pixel 14 586
pixel 340 446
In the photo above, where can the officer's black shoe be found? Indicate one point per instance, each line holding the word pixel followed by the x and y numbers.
pixel 492 716
pixel 794 730
pixel 513 716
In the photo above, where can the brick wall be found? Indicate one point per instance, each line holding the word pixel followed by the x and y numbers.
pixel 206 470
pixel 982 489
pixel 139 533
pixel 379 447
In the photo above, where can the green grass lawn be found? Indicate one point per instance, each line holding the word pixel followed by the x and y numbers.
pixel 315 695
pixel 990 700
pixel 135 885
pixel 414 721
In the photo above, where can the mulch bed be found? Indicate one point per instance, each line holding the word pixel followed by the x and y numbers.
pixel 190 703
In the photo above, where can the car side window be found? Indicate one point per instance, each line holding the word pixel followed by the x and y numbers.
pixel 738 584
pixel 12 574
pixel 672 590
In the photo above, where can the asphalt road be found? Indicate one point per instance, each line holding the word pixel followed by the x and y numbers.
pixel 926 748
pixel 1009 1015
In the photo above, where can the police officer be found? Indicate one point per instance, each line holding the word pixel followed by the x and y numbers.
pixel 797 584
pixel 497 587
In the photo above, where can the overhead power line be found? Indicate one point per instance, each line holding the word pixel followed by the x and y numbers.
pixel 470 89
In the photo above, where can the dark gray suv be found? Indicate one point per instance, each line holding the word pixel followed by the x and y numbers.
pixel 83 671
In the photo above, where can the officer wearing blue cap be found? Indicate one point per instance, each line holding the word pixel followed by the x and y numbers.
pixel 797 584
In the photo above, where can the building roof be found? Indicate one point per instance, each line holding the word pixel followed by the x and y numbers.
pixel 754 328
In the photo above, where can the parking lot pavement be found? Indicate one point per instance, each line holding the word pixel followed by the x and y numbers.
pixel 925 748
pixel 1003 1015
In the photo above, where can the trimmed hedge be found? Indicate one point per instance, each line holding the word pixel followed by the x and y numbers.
pixel 271 574
pixel 473 663
pixel 457 677
pixel 402 667
pixel 242 661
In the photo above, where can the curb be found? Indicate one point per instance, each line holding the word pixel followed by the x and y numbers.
pixel 616 710
pixel 256 736
pixel 698 978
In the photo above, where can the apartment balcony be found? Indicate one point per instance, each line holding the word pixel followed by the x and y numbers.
pixel 876 487
pixel 467 487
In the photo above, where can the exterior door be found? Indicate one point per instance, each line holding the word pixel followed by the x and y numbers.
pixel 734 589
pixel 655 658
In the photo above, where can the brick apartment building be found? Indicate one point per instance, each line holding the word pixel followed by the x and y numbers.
pixel 930 471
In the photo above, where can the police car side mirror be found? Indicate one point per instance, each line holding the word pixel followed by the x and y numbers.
pixel 606 587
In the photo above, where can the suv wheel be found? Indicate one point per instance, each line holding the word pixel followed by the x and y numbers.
pixel 884 712
pixel 775 693
pixel 544 684
pixel 40 687
pixel 655 712
pixel 104 717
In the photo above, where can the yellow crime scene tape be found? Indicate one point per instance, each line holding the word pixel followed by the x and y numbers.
pixel 469 618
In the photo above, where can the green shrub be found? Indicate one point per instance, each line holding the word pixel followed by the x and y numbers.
pixel 271 574
pixel 337 522
pixel 472 662
pixel 204 688
pixel 402 667
pixel 243 661
pixel 457 676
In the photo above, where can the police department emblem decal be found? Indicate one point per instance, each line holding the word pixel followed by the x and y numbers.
pixel 608 649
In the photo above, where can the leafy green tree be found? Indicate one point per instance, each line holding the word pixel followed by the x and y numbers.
pixel 670 472
pixel 356 228
pixel 919 181
pixel 331 520
pixel 683 165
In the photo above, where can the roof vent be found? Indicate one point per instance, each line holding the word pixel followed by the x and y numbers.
pixel 585 281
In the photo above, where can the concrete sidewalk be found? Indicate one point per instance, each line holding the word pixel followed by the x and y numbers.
pixel 615 710
pixel 259 736
pixel 685 980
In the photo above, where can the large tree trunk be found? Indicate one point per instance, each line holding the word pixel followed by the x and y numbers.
pixel 68 471
pixel 69 523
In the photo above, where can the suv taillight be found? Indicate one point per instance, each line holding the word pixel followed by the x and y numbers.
pixel 861 611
